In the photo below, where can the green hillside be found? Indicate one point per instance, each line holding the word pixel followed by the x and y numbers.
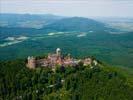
pixel 76 24
pixel 73 83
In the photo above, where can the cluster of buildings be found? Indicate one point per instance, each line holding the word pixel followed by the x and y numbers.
pixel 57 59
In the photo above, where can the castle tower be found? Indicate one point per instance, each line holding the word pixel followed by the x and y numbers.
pixel 58 51
pixel 69 56
pixel 31 62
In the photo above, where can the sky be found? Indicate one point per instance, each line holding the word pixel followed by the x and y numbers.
pixel 83 8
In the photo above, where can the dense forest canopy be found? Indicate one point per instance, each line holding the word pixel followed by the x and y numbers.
pixel 72 83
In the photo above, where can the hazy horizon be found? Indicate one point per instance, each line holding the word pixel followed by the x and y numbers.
pixel 85 8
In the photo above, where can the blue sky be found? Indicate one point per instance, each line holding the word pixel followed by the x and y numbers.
pixel 85 8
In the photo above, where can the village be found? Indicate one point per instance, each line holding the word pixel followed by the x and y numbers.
pixel 57 59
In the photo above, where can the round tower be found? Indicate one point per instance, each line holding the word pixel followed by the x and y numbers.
pixel 31 62
pixel 58 51
pixel 69 56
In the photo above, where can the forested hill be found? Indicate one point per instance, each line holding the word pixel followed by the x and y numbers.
pixel 76 24
pixel 71 83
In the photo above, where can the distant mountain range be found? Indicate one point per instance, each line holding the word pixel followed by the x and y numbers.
pixel 62 23
pixel 52 22
pixel 27 20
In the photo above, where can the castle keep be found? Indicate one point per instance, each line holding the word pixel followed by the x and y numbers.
pixel 52 60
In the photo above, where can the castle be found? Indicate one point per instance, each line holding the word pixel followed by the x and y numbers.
pixel 57 59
